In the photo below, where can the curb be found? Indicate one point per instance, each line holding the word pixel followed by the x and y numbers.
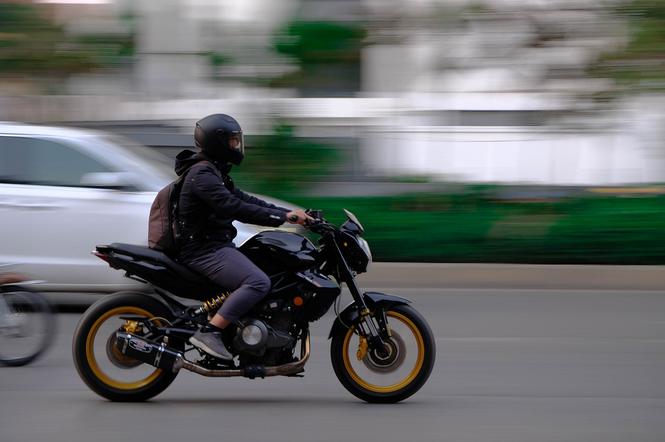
pixel 515 276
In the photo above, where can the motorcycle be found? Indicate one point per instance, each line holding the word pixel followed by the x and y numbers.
pixel 130 346
pixel 27 323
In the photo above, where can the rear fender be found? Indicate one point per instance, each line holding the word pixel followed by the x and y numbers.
pixel 351 314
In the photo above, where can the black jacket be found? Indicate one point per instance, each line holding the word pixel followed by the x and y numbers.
pixel 209 203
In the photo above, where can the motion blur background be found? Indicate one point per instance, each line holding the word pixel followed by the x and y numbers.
pixel 458 131
pixel 524 131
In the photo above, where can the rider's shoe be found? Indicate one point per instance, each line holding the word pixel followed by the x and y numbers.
pixel 211 343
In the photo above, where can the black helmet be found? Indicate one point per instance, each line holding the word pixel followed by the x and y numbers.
pixel 220 137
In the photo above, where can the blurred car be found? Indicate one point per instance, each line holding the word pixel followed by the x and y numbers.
pixel 63 191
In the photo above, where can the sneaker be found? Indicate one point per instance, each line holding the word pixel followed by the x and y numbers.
pixel 211 343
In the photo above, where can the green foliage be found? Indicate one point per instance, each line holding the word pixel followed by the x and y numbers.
pixel 280 164
pixel 642 62
pixel 478 8
pixel 642 9
pixel 316 42
pixel 217 59
pixel 106 49
pixel 327 53
pixel 13 18
pixel 34 46
pixel 473 226
pixel 29 43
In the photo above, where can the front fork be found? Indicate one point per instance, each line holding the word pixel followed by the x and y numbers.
pixel 373 331
pixel 372 328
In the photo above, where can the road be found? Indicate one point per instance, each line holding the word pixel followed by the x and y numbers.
pixel 512 365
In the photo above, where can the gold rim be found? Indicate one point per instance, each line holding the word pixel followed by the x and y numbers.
pixel 90 351
pixel 404 382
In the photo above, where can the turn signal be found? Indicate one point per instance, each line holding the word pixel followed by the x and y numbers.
pixel 298 301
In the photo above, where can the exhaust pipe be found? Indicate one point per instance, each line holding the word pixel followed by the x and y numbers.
pixel 251 371
pixel 157 355
pixel 160 356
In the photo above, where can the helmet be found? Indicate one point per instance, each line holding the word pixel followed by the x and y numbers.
pixel 220 137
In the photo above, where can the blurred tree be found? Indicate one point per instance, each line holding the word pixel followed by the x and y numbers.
pixel 33 47
pixel 641 63
pixel 280 164
pixel 217 59
pixel 328 54
pixel 217 62
pixel 29 44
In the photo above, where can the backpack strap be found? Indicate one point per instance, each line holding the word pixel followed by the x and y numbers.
pixel 179 225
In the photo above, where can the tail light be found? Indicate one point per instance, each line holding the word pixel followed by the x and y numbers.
pixel 102 256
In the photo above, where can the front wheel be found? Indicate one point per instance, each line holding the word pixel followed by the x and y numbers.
pixel 27 325
pixel 393 374
pixel 106 370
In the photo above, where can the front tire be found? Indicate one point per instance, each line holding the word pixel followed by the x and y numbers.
pixel 27 325
pixel 386 378
pixel 113 375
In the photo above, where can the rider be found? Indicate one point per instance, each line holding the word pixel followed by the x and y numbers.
pixel 209 202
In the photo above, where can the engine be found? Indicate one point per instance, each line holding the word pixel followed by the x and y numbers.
pixel 254 337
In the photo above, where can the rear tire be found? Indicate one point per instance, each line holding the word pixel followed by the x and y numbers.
pixel 365 378
pixel 88 360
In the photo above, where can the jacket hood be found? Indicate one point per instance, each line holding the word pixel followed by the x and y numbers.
pixel 187 158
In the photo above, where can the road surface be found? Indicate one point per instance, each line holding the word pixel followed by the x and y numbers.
pixel 512 365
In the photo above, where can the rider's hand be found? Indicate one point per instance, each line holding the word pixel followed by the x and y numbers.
pixel 298 217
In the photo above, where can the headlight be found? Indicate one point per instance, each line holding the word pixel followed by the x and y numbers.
pixel 365 248
pixel 356 252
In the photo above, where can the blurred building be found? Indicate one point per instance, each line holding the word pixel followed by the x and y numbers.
pixel 489 91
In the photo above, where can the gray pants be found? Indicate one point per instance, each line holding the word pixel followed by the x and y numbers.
pixel 233 271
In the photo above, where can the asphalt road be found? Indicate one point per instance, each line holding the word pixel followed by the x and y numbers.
pixel 512 366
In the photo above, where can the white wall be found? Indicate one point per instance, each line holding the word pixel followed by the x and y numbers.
pixel 515 155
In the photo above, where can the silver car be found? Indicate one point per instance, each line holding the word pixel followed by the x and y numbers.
pixel 63 191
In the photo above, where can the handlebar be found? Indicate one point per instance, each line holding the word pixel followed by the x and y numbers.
pixel 319 225
pixel 316 214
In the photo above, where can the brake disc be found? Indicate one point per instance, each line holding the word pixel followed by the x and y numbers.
pixel 393 360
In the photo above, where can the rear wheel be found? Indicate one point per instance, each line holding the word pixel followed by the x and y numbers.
pixel 98 361
pixel 394 373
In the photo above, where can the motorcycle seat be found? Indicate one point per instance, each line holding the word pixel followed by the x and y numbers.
pixel 157 257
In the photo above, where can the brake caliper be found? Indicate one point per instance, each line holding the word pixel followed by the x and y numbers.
pixel 362 348
pixel 132 326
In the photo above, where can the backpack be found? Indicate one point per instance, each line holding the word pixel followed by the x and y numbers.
pixel 164 227
pixel 163 231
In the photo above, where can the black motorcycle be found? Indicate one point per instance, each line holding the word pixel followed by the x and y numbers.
pixel 130 346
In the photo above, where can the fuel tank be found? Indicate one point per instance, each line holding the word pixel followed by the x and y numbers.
pixel 274 251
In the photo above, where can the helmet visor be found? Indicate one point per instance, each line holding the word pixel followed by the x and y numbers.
pixel 236 142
